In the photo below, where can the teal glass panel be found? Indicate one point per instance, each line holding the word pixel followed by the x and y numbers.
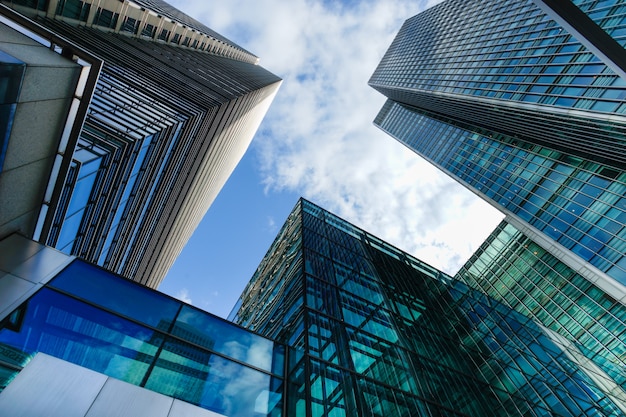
pixel 117 294
pixel 71 330
pixel 213 382
pixel 226 338
pixel 332 391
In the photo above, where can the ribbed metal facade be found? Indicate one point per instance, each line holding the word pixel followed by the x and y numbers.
pixel 167 124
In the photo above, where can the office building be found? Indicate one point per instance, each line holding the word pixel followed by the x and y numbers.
pixel 154 117
pixel 522 102
pixel 514 269
pixel 373 331
pixel 506 101
pixel 339 323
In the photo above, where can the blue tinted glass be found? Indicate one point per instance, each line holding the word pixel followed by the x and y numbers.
pixel 71 330
pixel 69 229
pixel 215 383
pixel 82 191
pixel 220 336
pixel 117 294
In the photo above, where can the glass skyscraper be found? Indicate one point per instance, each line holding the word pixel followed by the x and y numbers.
pixel 522 102
pixel 514 269
pixel 373 331
pixel 507 102
pixel 164 109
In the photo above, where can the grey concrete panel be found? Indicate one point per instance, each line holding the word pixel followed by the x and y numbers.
pixel 36 131
pixel 9 35
pixel 22 192
pixel 16 249
pixel 36 55
pixel 183 409
pixel 51 387
pixel 48 83
pixel 24 224
pixel 121 399
pixel 13 291
pixel 42 267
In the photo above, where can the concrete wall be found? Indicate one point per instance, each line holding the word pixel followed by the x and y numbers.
pixel 46 94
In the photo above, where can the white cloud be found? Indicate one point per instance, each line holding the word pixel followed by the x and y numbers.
pixel 183 295
pixel 318 138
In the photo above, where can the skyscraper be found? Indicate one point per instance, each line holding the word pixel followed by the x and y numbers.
pixel 523 104
pixel 514 269
pixel 360 329
pixel 168 112
pixel 373 331
pixel 506 101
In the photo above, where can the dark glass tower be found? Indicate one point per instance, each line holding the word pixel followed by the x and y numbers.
pixel 512 268
pixel 164 123
pixel 522 102
pixel 526 113
pixel 375 332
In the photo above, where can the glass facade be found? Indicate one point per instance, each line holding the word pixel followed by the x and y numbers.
pixel 510 68
pixel 100 321
pixel 512 268
pixel 610 15
pixel 375 332
pixel 507 51
pixel 511 105
pixel 576 202
pixel 516 60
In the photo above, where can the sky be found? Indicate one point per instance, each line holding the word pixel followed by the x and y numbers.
pixel 318 141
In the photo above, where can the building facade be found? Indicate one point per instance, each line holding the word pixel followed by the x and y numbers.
pixel 522 102
pixel 506 101
pixel 373 331
pixel 171 111
pixel 77 340
pixel 513 268
pixel 335 322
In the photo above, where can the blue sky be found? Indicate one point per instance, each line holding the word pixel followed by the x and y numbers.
pixel 318 141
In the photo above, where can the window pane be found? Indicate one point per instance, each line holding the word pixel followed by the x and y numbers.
pixel 223 337
pixel 210 381
pixel 117 294
pixel 71 330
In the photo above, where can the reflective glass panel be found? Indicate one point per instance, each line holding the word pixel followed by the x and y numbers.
pixel 225 338
pixel 71 330
pixel 117 294
pixel 213 382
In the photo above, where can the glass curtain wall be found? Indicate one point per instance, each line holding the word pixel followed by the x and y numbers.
pixel 100 321
pixel 375 332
